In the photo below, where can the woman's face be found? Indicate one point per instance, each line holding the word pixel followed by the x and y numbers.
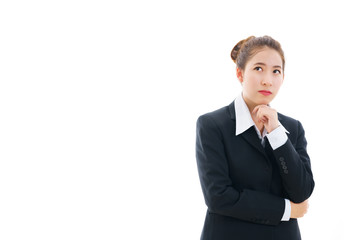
pixel 262 77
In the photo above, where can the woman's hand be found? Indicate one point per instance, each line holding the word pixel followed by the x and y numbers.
pixel 267 116
pixel 298 210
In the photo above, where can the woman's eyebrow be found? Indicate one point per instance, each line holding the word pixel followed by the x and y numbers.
pixel 263 64
pixel 260 63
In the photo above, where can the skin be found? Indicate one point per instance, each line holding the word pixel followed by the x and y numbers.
pixel 264 71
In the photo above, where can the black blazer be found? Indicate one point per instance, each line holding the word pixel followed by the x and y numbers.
pixel 244 184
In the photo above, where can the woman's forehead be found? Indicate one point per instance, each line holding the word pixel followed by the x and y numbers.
pixel 267 56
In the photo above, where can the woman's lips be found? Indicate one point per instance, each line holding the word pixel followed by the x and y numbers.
pixel 265 92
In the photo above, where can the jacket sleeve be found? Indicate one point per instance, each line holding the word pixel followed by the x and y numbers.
pixel 295 168
pixel 220 195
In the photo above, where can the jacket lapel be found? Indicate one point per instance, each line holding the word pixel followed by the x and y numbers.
pixel 249 135
pixel 252 138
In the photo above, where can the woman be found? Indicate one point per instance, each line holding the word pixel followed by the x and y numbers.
pixel 253 166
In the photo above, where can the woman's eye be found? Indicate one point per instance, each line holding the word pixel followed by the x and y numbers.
pixel 277 71
pixel 258 68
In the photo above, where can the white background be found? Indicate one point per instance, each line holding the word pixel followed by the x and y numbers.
pixel 99 99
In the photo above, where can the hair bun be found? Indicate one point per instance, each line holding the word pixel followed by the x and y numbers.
pixel 236 49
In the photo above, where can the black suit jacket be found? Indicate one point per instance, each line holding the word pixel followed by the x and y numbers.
pixel 244 184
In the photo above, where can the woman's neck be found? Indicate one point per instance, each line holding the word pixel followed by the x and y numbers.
pixel 251 105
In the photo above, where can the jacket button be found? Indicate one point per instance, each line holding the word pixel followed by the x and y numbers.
pixel 281 159
pixel 284 167
pixel 286 171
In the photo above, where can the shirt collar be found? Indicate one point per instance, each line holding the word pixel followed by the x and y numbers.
pixel 243 117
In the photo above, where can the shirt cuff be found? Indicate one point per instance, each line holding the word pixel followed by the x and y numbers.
pixel 287 212
pixel 277 137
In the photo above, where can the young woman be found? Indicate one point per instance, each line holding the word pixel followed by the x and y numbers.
pixel 253 166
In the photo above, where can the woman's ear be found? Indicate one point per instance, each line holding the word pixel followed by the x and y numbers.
pixel 239 74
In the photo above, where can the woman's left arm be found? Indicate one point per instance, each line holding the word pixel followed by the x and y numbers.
pixel 295 168
pixel 292 159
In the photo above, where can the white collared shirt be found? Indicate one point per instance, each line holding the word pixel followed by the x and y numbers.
pixel 276 138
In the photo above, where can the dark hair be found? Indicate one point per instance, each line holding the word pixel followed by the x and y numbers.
pixel 247 48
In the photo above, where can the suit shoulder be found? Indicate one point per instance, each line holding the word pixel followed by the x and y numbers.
pixel 219 117
pixel 291 124
pixel 285 118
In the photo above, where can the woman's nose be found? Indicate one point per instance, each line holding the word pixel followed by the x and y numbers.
pixel 267 81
